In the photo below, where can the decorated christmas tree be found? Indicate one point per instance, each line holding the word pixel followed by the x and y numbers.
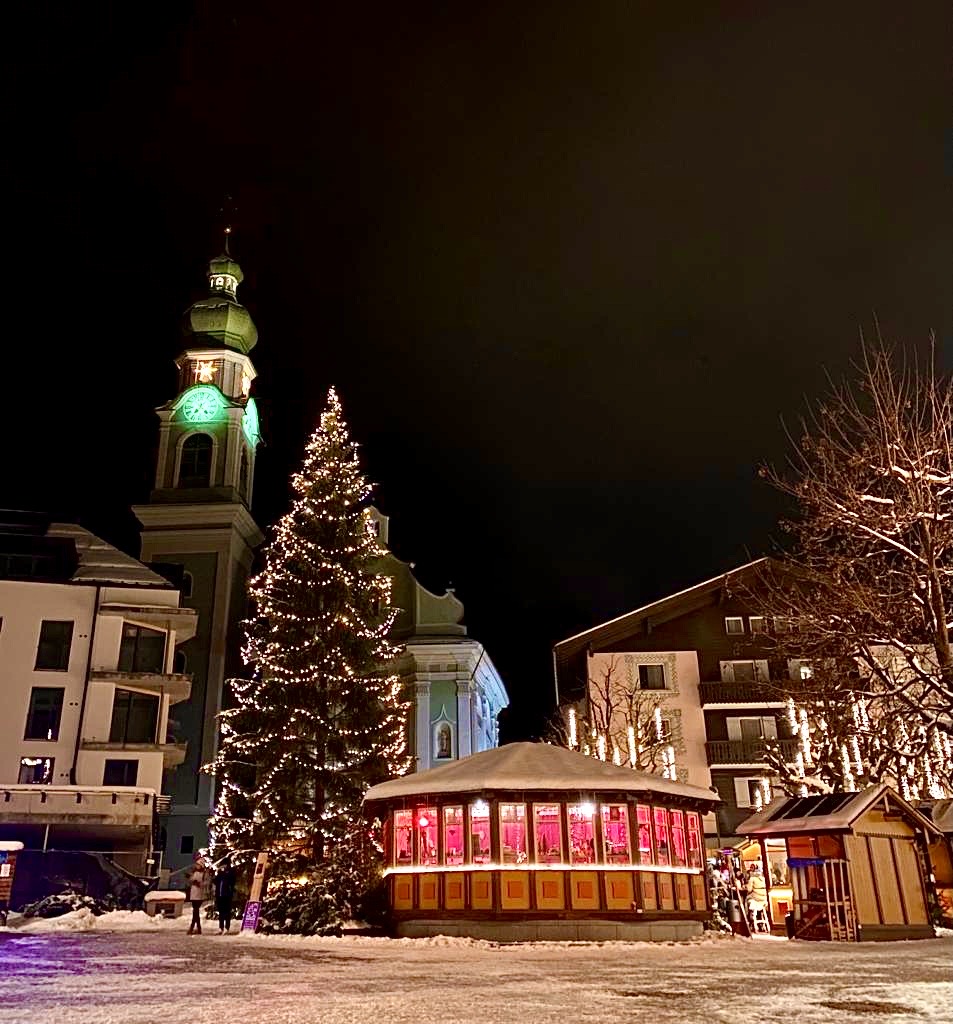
pixel 321 717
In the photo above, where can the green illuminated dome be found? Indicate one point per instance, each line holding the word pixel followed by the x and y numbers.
pixel 221 319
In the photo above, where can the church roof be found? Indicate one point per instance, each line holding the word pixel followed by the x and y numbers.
pixel 532 766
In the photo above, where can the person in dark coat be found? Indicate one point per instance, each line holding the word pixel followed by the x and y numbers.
pixel 224 894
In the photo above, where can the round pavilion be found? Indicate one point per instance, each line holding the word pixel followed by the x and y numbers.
pixel 531 841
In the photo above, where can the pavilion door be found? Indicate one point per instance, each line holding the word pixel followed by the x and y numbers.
pixel 823 908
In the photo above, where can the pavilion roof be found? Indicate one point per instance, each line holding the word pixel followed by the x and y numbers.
pixel 525 767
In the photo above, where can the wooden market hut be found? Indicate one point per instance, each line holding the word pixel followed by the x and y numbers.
pixel 857 864
pixel 531 841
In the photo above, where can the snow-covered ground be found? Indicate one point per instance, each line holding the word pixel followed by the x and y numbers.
pixel 125 968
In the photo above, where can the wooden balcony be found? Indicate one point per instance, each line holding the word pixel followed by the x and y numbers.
pixel 744 751
pixel 762 693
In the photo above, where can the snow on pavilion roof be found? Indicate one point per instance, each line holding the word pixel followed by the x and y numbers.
pixel 830 812
pixel 100 562
pixel 532 766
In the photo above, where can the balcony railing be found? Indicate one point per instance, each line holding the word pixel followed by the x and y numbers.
pixel 745 751
pixel 739 693
pixel 176 685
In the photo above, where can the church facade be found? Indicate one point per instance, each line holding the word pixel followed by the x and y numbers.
pixel 456 692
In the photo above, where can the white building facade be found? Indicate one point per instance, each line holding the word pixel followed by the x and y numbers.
pixel 88 638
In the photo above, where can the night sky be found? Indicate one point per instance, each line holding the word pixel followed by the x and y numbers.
pixel 568 264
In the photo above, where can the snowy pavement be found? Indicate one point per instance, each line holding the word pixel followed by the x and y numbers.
pixel 58 975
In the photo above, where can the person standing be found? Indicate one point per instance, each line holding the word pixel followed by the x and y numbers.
pixel 224 894
pixel 198 886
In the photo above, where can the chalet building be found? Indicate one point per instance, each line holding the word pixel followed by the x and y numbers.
pixel 705 652
pixel 88 671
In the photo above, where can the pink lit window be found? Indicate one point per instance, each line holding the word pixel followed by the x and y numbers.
pixel 403 837
pixel 679 855
pixel 615 833
pixel 549 836
pixel 453 835
pixel 480 832
pixel 694 841
pixel 426 835
pixel 513 833
pixel 660 820
pixel 644 817
pixel 582 833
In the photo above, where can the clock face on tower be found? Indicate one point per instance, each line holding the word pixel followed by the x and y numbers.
pixel 201 404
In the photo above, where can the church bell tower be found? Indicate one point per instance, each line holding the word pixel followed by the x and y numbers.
pixel 198 520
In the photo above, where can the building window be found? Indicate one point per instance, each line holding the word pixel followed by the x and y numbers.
pixel 426 822
pixel 677 826
pixel 453 834
pixel 694 840
pixel 549 835
pixel 135 717
pixel 643 816
pixel 195 467
pixel 35 771
pixel 186 844
pixel 615 833
pixel 180 662
pixel 750 790
pixel 403 837
pixel 734 625
pixel 582 833
pixel 120 772
pixel 243 475
pixel 752 728
pixel 744 671
pixel 142 649
pixel 43 718
pixel 651 677
pixel 756 623
pixel 480 832
pixel 513 833
pixel 660 822
pixel 52 652
pixel 185 590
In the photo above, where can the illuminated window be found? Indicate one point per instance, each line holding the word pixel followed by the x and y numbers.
pixel 660 827
pixel 643 816
pixel 35 771
pixel 615 833
pixel 43 717
pixel 513 833
pixel 679 853
pixel 426 822
pixel 403 837
pixel 651 677
pixel 480 832
pixel 734 625
pixel 756 624
pixel 549 836
pixel 694 840
pixel 195 467
pixel 453 835
pixel 582 833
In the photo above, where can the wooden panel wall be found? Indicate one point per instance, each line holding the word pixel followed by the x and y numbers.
pixel 862 881
pixel 910 883
pixel 887 885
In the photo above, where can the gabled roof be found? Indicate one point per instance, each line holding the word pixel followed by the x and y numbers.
pixel 830 812
pixel 100 562
pixel 528 767
pixel 624 625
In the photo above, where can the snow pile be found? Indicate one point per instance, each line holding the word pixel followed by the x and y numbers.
pixel 85 920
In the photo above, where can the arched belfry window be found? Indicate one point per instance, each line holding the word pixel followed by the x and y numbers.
pixel 195 467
